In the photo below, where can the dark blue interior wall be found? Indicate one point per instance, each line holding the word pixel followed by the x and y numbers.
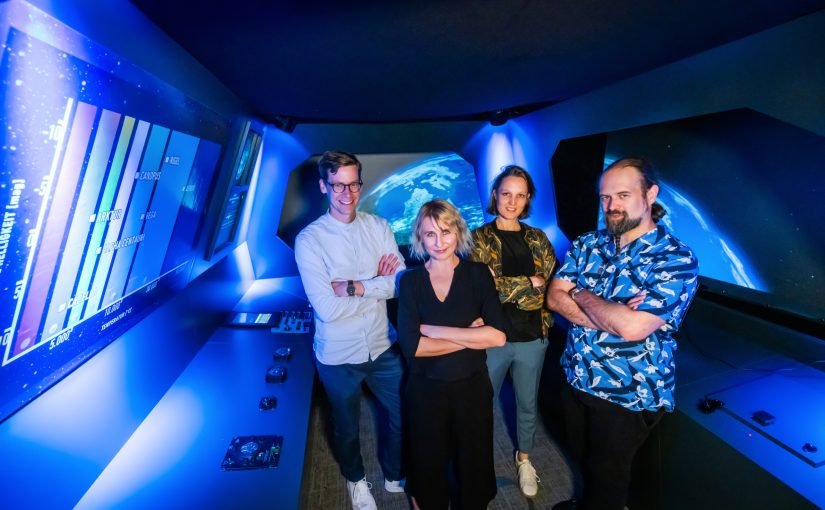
pixel 779 72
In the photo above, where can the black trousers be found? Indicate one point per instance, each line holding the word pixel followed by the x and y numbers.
pixel 450 423
pixel 603 438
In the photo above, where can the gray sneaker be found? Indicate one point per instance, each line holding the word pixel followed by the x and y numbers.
pixel 528 480
pixel 360 495
pixel 394 485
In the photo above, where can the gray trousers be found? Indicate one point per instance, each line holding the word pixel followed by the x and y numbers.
pixel 524 361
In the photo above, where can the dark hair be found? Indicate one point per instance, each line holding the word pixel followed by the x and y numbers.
pixel 512 171
pixel 647 172
pixel 331 161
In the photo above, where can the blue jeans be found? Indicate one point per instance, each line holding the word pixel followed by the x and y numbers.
pixel 343 387
pixel 524 361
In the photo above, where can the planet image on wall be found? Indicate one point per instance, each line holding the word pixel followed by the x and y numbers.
pixel 399 196
pixel 719 256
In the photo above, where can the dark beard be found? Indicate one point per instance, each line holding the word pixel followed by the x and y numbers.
pixel 619 227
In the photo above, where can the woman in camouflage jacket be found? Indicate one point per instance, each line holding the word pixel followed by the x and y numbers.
pixel 522 261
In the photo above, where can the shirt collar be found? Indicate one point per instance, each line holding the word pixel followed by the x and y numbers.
pixel 610 247
pixel 345 226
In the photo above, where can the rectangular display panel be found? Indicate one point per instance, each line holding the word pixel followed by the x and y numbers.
pixel 103 189
pixel 237 189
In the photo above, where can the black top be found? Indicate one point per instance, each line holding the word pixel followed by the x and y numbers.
pixel 472 295
pixel 517 260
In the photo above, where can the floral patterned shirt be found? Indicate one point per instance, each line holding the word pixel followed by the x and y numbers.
pixel 638 375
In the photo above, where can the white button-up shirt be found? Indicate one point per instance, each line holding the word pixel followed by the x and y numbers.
pixel 348 329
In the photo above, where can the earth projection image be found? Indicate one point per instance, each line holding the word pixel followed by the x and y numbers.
pixel 398 196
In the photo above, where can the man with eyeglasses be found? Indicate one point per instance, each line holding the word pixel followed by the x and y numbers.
pixel 348 260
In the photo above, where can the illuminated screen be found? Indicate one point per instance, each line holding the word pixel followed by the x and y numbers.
pixel 102 192
pixel 237 193
pixel 395 187
pixel 745 191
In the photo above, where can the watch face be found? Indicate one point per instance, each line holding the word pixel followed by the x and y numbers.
pixel 350 289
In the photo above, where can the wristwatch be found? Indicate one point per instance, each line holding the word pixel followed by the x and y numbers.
pixel 575 292
pixel 350 288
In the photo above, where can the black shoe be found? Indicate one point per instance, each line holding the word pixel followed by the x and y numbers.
pixel 570 504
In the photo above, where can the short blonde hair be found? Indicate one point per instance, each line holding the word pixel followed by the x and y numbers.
pixel 443 213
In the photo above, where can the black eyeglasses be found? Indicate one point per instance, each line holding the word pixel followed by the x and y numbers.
pixel 338 187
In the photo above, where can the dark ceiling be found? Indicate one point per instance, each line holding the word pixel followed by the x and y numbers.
pixel 384 61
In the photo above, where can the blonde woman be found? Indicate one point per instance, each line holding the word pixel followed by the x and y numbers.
pixel 449 313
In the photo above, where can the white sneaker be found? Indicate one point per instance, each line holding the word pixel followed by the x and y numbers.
pixel 360 495
pixel 528 480
pixel 394 485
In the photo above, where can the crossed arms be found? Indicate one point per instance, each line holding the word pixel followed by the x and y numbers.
pixel 387 266
pixel 328 293
pixel 440 340
pixel 591 311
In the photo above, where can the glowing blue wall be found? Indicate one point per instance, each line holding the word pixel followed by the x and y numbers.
pixel 497 146
pixel 280 153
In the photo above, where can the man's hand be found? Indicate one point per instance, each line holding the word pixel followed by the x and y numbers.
pixel 388 264
pixel 558 300
pixel 477 323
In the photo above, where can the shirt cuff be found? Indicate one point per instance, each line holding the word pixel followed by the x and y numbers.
pixel 368 287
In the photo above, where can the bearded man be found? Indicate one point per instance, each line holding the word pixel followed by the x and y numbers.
pixel 625 291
